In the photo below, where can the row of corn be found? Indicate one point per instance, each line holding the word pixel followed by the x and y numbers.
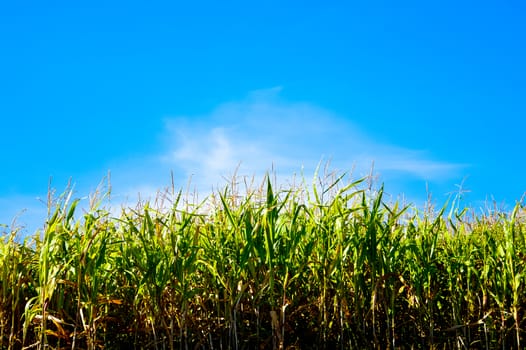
pixel 332 265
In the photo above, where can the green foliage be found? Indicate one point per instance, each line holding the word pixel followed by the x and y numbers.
pixel 331 265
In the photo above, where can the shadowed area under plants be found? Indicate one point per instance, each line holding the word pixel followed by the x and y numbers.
pixel 325 265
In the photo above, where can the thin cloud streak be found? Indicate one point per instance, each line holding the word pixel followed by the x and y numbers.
pixel 264 131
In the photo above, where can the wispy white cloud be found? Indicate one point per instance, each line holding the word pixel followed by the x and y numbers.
pixel 264 131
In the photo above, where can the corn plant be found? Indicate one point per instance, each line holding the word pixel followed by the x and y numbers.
pixel 327 265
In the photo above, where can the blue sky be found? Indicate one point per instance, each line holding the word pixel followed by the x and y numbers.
pixel 432 92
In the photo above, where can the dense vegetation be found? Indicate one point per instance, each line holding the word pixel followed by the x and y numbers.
pixel 332 265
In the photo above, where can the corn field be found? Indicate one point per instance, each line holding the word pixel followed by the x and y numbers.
pixel 328 265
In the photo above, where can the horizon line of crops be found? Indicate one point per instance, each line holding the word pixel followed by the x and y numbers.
pixel 327 265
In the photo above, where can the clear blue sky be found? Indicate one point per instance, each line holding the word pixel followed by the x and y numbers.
pixel 433 92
